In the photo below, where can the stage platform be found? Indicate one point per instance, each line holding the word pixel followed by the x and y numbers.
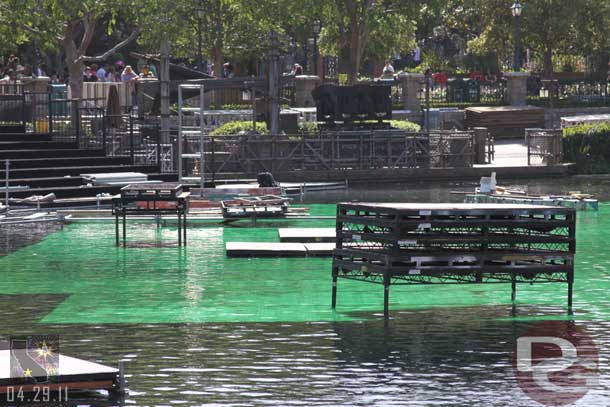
pixel 307 235
pixel 407 243
pixel 272 249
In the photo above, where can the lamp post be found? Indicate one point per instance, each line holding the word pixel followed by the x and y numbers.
pixel 200 15
pixel 317 27
pixel 516 10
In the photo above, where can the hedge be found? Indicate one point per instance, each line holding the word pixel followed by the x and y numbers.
pixel 588 146
pixel 237 127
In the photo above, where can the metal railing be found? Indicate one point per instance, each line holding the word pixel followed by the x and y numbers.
pixel 544 146
pixel 355 150
pixel 471 92
pixel 564 93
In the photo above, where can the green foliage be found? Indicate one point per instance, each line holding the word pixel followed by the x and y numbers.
pixel 405 125
pixel 308 127
pixel 588 146
pixel 237 127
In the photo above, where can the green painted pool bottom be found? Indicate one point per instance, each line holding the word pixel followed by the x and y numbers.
pixel 105 284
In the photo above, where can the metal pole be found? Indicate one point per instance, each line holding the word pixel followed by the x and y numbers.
pixel 6 173
pixel 427 78
pixel 165 77
pixel 179 133
pixel 200 41
pixel 516 65
pixel 274 82
pixel 315 54
pixel 201 135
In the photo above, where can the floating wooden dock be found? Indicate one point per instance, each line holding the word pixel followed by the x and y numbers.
pixel 454 243
pixel 73 374
pixel 272 249
pixel 307 235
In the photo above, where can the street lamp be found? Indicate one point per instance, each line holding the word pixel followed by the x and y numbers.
pixel 317 27
pixel 200 16
pixel 516 10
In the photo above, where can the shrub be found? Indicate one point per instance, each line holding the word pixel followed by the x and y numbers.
pixel 237 127
pixel 405 125
pixel 588 146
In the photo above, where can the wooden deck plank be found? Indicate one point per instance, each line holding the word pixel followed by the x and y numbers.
pixel 273 249
pixel 307 235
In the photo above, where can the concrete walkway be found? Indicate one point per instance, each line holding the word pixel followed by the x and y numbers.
pixel 509 153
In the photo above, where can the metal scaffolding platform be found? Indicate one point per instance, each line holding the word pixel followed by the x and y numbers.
pixel 453 243
pixel 147 199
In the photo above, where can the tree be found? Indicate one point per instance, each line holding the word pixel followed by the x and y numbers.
pixel 548 27
pixel 70 26
pixel 361 28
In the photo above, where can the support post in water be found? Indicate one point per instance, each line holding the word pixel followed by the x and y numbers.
pixel 6 173
pixel 570 289
pixel 513 285
pixel 386 295
pixel 334 294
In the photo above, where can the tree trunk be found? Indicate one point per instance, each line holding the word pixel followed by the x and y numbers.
pixel 548 62
pixel 218 71
pixel 75 69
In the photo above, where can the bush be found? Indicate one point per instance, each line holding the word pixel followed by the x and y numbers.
pixel 237 127
pixel 405 125
pixel 588 146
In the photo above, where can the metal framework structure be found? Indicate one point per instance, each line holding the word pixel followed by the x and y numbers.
pixel 453 243
pixel 160 199
pixel 337 151
pixel 544 146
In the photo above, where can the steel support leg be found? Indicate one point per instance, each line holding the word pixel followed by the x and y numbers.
pixel 386 296
pixel 513 285
pixel 124 228
pixel 116 227
pixel 184 227
pixel 570 289
pixel 334 296
pixel 179 229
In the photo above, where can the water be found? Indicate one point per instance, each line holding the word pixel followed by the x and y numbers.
pixel 197 328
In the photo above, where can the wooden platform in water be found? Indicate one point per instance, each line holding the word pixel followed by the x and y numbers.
pixel 307 235
pixel 74 373
pixel 272 249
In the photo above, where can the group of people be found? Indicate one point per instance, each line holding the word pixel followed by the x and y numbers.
pixel 13 70
pixel 119 72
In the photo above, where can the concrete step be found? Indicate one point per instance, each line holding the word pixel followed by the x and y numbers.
pixel 21 173
pixel 27 163
pixel 67 192
pixel 40 144
pixel 47 153
pixel 25 137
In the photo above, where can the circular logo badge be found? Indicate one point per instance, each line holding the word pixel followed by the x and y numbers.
pixel 556 362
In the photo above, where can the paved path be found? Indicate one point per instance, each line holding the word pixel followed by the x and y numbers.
pixel 509 153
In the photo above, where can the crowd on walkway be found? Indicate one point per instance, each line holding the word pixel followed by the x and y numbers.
pixel 12 70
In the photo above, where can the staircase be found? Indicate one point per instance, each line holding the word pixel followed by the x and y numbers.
pixel 48 166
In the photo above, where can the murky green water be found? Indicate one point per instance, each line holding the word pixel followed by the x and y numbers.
pixel 198 328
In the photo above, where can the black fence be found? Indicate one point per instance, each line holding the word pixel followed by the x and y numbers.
pixel 568 93
pixel 355 150
pixel 460 92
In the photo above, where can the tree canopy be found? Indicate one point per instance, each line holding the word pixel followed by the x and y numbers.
pixel 451 33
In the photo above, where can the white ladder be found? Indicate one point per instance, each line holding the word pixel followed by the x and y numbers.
pixel 183 130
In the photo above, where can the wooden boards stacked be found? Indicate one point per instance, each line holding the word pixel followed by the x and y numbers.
pixel 505 121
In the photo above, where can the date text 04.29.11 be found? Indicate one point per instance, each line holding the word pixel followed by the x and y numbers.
pixel 37 394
